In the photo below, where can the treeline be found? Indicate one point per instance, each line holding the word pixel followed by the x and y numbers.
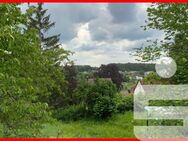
pixel 121 66
pixel 85 68
pixel 136 67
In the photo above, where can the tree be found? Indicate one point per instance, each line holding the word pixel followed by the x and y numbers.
pixel 153 78
pixel 110 71
pixel 65 81
pixel 40 21
pixel 24 76
pixel 71 78
pixel 172 20
pixel 56 55
pixel 28 78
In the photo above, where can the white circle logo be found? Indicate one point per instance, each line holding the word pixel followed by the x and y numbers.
pixel 166 67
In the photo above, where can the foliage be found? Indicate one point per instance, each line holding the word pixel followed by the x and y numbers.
pixel 24 79
pixel 65 81
pixel 124 103
pixel 72 112
pixel 56 57
pixel 104 87
pixel 58 87
pixel 104 107
pixel 172 20
pixel 110 71
pixel 71 78
pixel 95 94
pixel 41 22
pixel 51 50
pixel 100 88
pixel 153 78
pixel 151 52
pixel 82 92
pixel 30 79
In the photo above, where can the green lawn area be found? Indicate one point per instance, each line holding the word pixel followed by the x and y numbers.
pixel 120 125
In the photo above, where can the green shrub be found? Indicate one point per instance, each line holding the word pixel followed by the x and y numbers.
pixel 104 87
pixel 73 112
pixel 96 94
pixel 82 91
pixel 104 107
pixel 124 103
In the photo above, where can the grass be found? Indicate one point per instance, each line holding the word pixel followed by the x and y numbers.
pixel 1 130
pixel 120 125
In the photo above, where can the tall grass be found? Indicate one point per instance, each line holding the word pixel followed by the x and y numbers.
pixel 120 125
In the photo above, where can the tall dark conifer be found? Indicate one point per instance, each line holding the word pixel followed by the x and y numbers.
pixel 40 21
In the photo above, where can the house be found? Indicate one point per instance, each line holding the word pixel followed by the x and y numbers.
pixel 134 87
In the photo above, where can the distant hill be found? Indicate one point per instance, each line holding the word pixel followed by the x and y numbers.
pixel 85 68
pixel 141 67
pixel 136 67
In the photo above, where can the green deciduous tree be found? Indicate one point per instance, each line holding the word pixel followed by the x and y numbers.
pixel 21 112
pixel 27 76
pixel 172 20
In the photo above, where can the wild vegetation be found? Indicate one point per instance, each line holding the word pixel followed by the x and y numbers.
pixel 41 89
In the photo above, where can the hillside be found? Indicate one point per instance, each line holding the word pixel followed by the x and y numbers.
pixel 122 67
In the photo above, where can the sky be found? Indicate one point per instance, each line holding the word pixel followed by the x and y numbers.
pixel 101 33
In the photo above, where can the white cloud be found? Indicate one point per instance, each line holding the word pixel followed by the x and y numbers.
pixel 101 33
pixel 83 35
pixel 92 52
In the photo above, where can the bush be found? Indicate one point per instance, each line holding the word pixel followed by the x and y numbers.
pixel 124 103
pixel 104 107
pixel 96 94
pixel 82 91
pixel 100 88
pixel 73 112
pixel 104 87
